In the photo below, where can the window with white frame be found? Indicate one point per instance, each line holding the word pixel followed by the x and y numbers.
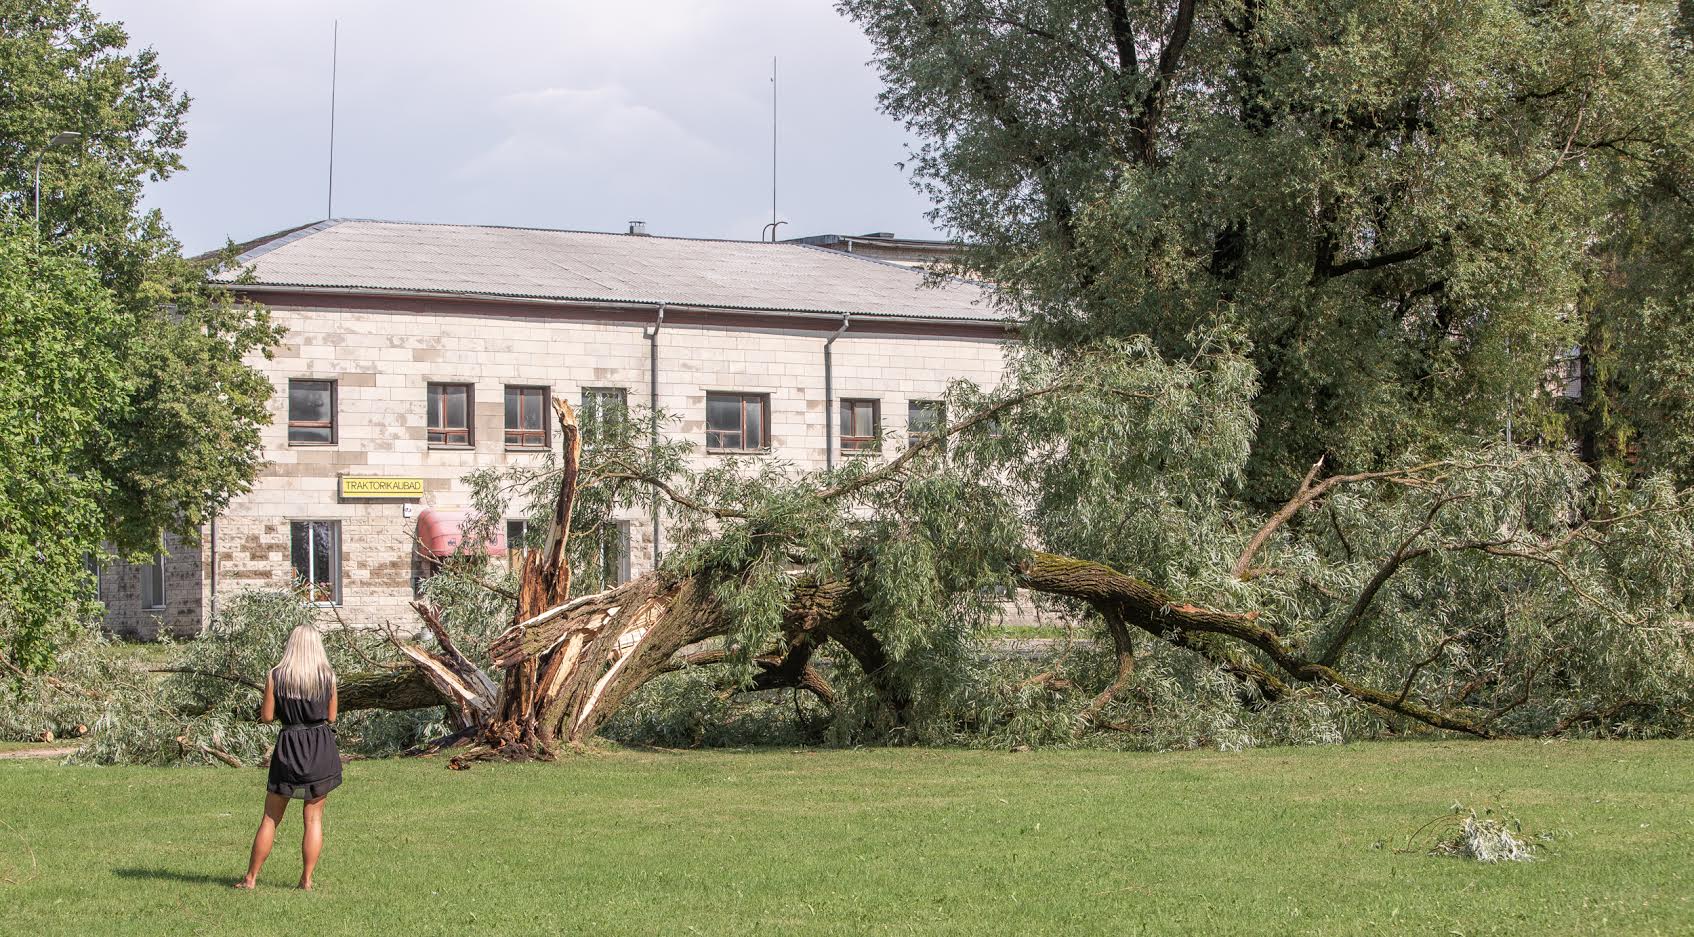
pixel 604 410
pixel 315 551
pixel 153 583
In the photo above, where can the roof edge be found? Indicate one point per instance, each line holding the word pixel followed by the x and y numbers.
pixel 534 299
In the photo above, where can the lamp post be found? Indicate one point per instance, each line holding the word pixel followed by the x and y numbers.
pixel 61 138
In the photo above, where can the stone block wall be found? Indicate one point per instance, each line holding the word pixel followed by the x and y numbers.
pixel 121 592
pixel 382 360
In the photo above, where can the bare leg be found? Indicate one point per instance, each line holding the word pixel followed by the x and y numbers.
pixel 312 842
pixel 275 806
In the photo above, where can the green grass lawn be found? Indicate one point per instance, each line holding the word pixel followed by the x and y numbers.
pixel 870 842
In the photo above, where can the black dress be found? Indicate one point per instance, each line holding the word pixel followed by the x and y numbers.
pixel 306 763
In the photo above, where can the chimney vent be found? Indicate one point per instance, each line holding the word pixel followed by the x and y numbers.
pixel 638 228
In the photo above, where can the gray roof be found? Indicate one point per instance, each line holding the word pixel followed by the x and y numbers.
pixel 531 263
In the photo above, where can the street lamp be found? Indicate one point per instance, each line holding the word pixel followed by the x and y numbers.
pixel 61 138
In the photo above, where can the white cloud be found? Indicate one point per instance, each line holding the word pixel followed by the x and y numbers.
pixel 584 131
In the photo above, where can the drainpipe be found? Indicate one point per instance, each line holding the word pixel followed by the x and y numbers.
pixel 653 408
pixel 213 597
pixel 829 392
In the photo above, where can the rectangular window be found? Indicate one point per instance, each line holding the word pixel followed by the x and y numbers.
pixel 153 583
pixel 450 415
pixel 315 550
pixel 311 413
pixel 861 425
pixel 614 555
pixel 924 418
pixel 738 422
pixel 604 409
pixel 526 417
pixel 517 543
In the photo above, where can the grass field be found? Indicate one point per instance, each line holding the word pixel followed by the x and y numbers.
pixel 870 842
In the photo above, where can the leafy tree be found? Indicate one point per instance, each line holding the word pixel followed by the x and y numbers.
pixel 1396 204
pixel 167 441
pixel 59 369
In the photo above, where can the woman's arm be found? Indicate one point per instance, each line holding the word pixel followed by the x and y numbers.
pixel 267 709
pixel 334 701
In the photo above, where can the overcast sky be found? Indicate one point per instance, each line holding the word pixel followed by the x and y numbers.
pixel 552 113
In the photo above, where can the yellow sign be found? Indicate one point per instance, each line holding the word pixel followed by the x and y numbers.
pixel 366 486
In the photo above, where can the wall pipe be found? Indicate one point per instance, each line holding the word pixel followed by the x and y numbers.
pixel 212 596
pixel 653 408
pixel 829 392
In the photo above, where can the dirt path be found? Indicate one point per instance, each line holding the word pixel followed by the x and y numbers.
pixel 45 751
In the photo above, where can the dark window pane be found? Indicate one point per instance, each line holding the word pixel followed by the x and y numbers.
pixel 308 401
pixel 723 413
pixel 323 555
pixel 434 406
pixel 310 434
pixel 514 408
pixel 299 550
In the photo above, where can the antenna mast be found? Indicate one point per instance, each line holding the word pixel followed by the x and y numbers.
pixel 774 224
pixel 334 60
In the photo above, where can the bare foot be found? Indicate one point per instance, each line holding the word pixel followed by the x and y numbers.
pixel 244 883
pixel 306 885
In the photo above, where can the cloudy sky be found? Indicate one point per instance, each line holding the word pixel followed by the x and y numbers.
pixel 554 113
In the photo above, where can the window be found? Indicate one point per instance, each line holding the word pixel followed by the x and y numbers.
pixel 517 543
pixel 924 418
pixel 861 425
pixel 526 417
pixel 311 413
pixel 153 583
pixel 738 422
pixel 315 549
pixel 450 414
pixel 603 409
pixel 614 555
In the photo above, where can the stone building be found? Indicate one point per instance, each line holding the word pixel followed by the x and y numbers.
pixel 415 353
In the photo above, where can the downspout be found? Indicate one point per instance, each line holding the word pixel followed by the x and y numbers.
pixel 829 391
pixel 653 414
pixel 213 596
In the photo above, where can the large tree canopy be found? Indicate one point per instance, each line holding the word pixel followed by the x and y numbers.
pixel 166 430
pixel 1402 207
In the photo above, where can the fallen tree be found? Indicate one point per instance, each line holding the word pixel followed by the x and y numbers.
pixel 766 597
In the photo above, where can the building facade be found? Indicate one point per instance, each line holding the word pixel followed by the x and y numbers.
pixel 415 354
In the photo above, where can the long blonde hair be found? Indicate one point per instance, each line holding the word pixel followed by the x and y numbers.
pixel 304 671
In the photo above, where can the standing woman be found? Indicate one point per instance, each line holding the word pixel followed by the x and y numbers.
pixel 306 764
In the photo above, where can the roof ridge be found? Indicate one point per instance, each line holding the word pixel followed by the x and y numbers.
pixel 920 271
pixel 265 246
pixel 524 227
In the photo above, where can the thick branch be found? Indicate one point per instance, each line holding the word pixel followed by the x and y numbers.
pixel 1158 613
